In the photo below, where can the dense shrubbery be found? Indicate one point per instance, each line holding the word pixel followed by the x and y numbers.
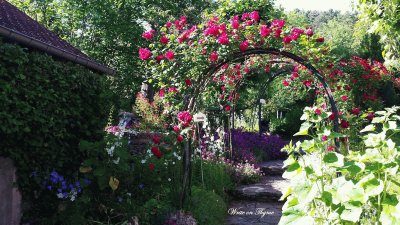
pixel 47 107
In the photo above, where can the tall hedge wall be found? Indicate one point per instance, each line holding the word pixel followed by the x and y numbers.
pixel 46 107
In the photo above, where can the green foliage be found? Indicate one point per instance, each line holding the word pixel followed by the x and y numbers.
pixel 215 176
pixel 230 8
pixel 289 124
pixel 355 186
pixel 47 108
pixel 383 18
pixel 208 208
pixel 339 33
pixel 110 31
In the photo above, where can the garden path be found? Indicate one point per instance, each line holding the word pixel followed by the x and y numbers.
pixel 258 204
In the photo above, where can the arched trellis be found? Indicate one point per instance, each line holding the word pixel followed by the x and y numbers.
pixel 206 77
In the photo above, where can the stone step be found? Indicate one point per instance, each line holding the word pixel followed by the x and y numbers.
pixel 254 213
pixel 269 189
pixel 273 168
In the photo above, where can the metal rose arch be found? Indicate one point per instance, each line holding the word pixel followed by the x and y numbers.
pixel 207 76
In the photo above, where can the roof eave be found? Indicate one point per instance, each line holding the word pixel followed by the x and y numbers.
pixel 42 46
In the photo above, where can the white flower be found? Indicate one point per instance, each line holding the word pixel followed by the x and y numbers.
pixel 60 195
pixel 143 161
pixel 169 179
pixel 116 161
pixel 110 151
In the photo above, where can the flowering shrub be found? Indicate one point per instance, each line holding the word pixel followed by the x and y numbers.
pixel 247 143
pixel 355 186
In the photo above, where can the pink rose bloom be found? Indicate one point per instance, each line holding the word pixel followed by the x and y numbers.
pixel 172 89
pixel 148 35
pixel 309 32
pixel 169 55
pixel 161 93
pixel 244 45
pixel 144 53
pixel 255 16
pixel 278 23
pixel 344 98
pixel 213 57
pixel 307 83
pixel 287 40
pixel 185 117
pixel 235 24
pixel 164 40
pixel 277 33
pixel 223 39
pixel 265 31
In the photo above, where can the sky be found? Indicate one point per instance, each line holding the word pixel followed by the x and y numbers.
pixel 320 5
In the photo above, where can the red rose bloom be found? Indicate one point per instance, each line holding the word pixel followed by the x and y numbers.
pixel 307 83
pixel 370 116
pixel 180 138
pixel 344 98
pixel 332 116
pixel 227 108
pixel 324 138
pixel 320 39
pixel 169 55
pixel 331 148
pixel 168 24
pixel 159 58
pixel 355 111
pixel 144 53
pixel 344 124
pixel 188 82
pixel 152 166
pixel 176 129
pixel 156 139
pixel 318 111
pixel 156 152
pixel 267 69
pixel 285 83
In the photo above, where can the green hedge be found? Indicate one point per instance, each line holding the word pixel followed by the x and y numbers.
pixel 47 107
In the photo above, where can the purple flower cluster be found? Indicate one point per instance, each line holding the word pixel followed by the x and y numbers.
pixel 64 188
pixel 246 142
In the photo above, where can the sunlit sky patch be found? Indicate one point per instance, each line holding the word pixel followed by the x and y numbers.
pixel 320 5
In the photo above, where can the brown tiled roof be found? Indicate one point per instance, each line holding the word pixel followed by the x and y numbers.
pixel 16 21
